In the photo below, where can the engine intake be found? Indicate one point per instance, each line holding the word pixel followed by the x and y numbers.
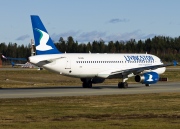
pixel 147 78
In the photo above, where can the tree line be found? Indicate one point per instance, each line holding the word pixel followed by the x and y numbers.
pixel 166 48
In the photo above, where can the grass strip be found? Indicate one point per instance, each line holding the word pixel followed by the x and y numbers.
pixel 155 111
pixel 35 78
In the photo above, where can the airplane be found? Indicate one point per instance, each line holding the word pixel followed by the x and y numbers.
pixel 11 58
pixel 22 65
pixel 14 59
pixel 25 65
pixel 94 68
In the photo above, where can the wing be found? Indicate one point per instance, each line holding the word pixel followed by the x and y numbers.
pixel 132 71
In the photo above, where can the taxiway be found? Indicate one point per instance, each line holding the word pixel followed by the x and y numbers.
pixel 96 90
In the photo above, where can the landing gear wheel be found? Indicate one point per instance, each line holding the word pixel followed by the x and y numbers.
pixel 122 85
pixel 84 85
pixel 147 85
pixel 87 85
pixel 86 82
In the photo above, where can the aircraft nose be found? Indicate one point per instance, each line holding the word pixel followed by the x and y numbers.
pixel 162 70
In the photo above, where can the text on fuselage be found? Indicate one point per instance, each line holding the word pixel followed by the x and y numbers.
pixel 139 58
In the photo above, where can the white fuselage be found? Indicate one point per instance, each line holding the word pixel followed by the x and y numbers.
pixel 94 65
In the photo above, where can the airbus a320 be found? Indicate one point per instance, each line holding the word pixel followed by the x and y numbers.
pixel 94 68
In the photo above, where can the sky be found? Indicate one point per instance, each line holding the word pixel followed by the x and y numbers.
pixel 89 20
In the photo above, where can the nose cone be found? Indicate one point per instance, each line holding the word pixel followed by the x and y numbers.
pixel 161 70
pixel 164 68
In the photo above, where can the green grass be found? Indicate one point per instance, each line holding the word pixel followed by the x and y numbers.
pixel 116 111
pixel 35 78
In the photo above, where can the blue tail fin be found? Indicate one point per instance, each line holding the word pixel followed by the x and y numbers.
pixel 43 42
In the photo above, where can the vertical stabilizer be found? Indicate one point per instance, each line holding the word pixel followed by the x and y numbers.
pixel 43 42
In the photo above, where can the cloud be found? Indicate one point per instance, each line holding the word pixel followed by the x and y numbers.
pixel 84 37
pixel 136 34
pixel 91 36
pixel 23 37
pixel 55 37
pixel 94 35
pixel 80 36
pixel 117 20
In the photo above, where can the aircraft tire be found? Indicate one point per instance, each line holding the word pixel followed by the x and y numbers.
pixel 147 85
pixel 122 85
pixel 87 85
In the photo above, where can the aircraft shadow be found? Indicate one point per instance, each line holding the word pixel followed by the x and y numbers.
pixel 72 87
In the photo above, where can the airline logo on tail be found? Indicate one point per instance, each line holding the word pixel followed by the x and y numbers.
pixel 44 37
pixel 43 42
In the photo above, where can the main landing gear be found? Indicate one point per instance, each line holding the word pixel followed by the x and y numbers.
pixel 147 85
pixel 87 83
pixel 123 84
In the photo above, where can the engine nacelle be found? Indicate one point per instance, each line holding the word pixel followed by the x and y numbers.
pixel 147 78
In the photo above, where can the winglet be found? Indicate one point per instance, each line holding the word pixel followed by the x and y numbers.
pixel 43 42
pixel 175 62
pixel 12 63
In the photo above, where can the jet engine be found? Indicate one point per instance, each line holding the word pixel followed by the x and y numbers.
pixel 147 78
